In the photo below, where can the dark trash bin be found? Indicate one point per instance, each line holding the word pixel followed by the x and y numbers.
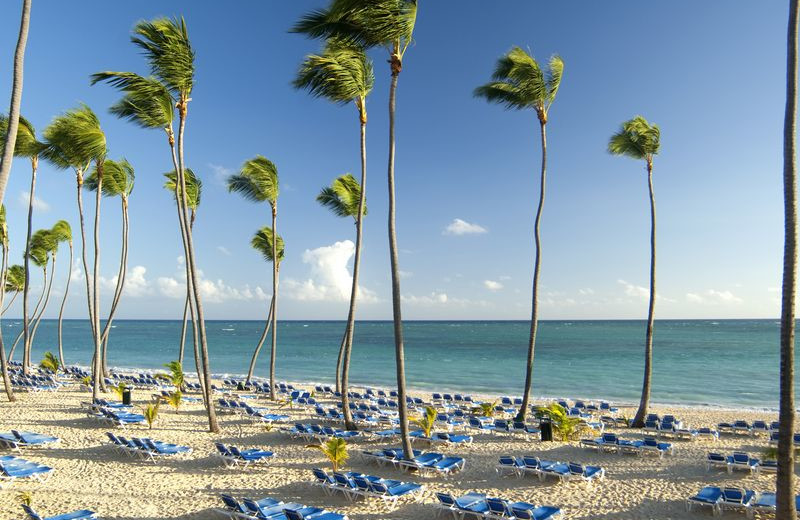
pixel 126 396
pixel 546 428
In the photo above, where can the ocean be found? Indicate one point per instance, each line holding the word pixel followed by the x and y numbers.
pixel 727 363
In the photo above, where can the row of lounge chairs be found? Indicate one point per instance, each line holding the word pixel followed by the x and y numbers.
pixel 739 460
pixel 354 485
pixel 145 448
pixel 315 432
pixel 118 417
pixel 16 440
pixel 269 508
pixel 610 442
pixel 746 428
pixel 480 506
pixel 422 463
pixel 13 468
pixel 83 514
pixel 734 498
pixel 563 471
pixel 255 414
pixel 233 456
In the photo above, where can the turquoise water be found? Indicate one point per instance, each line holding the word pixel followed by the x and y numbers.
pixel 729 363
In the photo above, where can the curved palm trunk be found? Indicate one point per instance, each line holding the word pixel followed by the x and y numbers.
pixel 98 365
pixel 339 360
pixel 213 424
pixel 399 353
pixel 523 409
pixel 260 341
pixel 351 315
pixel 26 288
pixel 35 310
pixel 38 318
pixel 9 303
pixel 3 360
pixel 123 269
pixel 90 303
pixel 186 311
pixel 641 413
pixel 16 98
pixel 275 260
pixel 61 311
pixel 785 494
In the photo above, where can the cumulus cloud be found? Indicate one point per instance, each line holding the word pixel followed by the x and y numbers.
pixel 433 298
pixel 462 227
pixel 329 278
pixel 136 284
pixel 713 297
pixel 492 285
pixel 212 291
pixel 642 293
pixel 38 204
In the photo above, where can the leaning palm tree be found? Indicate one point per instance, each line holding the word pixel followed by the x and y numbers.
pixel 262 242
pixel 15 282
pixel 75 140
pixel 785 492
pixel 519 83
pixel 38 250
pixel 16 99
pixel 3 285
pixel 149 103
pixel 258 181
pixel 47 242
pixel 641 140
pixel 63 233
pixel 343 74
pixel 26 146
pixel 194 188
pixel 388 24
pixel 345 198
pixel 118 180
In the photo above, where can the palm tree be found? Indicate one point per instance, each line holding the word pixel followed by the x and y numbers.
pixel 785 498
pixel 15 282
pixel 118 180
pixel 262 242
pixel 26 146
pixel 47 242
pixel 345 198
pixel 258 181
pixel 194 188
pixel 389 24
pixel 343 74
pixel 16 99
pixel 75 140
pixel 519 83
pixel 641 140
pixel 63 232
pixel 3 285
pixel 149 102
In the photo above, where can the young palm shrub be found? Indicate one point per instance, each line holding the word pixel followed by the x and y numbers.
pixel 485 409
pixel 426 421
pixel 150 413
pixel 176 375
pixel 119 389
pixel 175 399
pixel 15 282
pixel 335 450
pixel 50 362
pixel 25 498
pixel 568 428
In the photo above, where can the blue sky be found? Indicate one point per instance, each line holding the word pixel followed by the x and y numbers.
pixel 710 73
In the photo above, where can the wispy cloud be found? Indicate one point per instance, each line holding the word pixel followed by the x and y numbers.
pixel 462 227
pixel 713 297
pixel 221 173
pixel 492 285
pixel 38 204
pixel 224 250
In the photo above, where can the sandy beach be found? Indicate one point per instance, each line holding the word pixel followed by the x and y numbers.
pixel 90 474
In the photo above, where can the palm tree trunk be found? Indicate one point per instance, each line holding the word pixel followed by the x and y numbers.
pixel 260 342
pixel 61 311
pixel 523 409
pixel 351 315
pixel 9 303
pixel 3 360
pixel 35 311
pixel 26 287
pixel 785 493
pixel 123 269
pixel 186 311
pixel 339 360
pixel 275 260
pixel 16 98
pixel 641 413
pixel 90 303
pixel 213 424
pixel 399 353
pixel 98 366
pixel 38 318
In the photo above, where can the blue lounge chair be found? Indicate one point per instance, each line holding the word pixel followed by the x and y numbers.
pixel 708 496
pixel 397 491
pixel 509 464
pixel 536 513
pixel 741 460
pixel 312 513
pixel 765 502
pixel 234 508
pixel 34 439
pixel 736 498
pixel 651 445
pixel 83 514
pixel 716 460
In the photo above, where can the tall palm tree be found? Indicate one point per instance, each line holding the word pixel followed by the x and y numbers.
pixel 38 251
pixel 519 83
pixel 641 140
pixel 26 146
pixel 15 282
pixel 168 51
pixel 343 74
pixel 63 233
pixel 388 24
pixel 345 198
pixel 258 181
pixel 75 140
pixel 3 275
pixel 16 99
pixel 118 180
pixel 46 244
pixel 785 493
pixel 263 243
pixel 194 189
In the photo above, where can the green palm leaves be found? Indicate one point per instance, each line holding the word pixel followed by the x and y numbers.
pixel 262 242
pixel 75 139
pixel 26 145
pixel 637 139
pixel 166 47
pixel 62 231
pixel 15 279
pixel 118 179
pixel 146 103
pixel 342 197
pixel 426 421
pixel 43 244
pixel 520 83
pixel 194 187
pixel 335 450
pixel 257 181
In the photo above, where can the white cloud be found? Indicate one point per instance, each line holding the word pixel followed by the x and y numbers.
pixel 433 298
pixel 221 173
pixel 405 274
pixel 642 293
pixel 224 250
pixel 492 285
pixel 586 292
pixel 713 297
pixel 136 285
pixel 462 227
pixel 38 204
pixel 171 288
pixel 211 291
pixel 330 279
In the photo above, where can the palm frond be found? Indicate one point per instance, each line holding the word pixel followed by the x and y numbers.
pixel 194 186
pixel 146 103
pixel 262 242
pixel 554 73
pixel 342 197
pixel 637 139
pixel 62 231
pixel 26 145
pixel 520 83
pixel 15 278
pixel 166 46
pixel 341 73
pixel 74 139
pixel 257 180
pixel 118 178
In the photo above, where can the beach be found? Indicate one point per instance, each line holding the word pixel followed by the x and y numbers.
pixel 89 473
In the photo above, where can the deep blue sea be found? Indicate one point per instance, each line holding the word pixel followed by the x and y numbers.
pixel 730 363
